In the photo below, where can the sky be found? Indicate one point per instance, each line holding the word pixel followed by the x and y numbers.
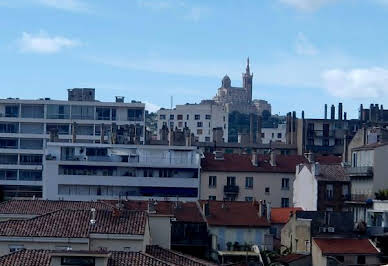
pixel 303 53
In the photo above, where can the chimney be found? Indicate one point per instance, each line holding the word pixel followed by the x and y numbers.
pixel 310 157
pixel 102 133
pixel 302 114
pixel 361 115
pixel 332 112
pixel 93 219
pixel 73 132
pixel 325 111
pixel 273 158
pixel 120 99
pixel 258 133
pixel 254 158
pixel 345 116
pixel 251 129
pixel 340 111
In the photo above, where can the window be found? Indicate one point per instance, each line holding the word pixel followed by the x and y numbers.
pixel 187 117
pixel 103 113
pixel 329 191
pixel 82 112
pixel 285 202
pixel 113 114
pixel 267 191
pixel 207 139
pixel 32 111
pixel 199 131
pixel 212 181
pixel 325 142
pixel 208 117
pixel 9 128
pixel 162 117
pixel 62 128
pixel 171 124
pixel 55 111
pixel 248 198
pixel 8 174
pixel 354 159
pixel 197 117
pixel 180 124
pixel 77 261
pixel 180 117
pixel 224 119
pixel 14 248
pixel 199 124
pixel 285 183
pixel 8 143
pixel 249 182
pixel 345 191
pixel 171 117
pixel 231 181
pixel 361 260
pixel 135 114
pixel 273 135
pixel 11 111
pixel 212 198
pixel 279 135
pixel 263 135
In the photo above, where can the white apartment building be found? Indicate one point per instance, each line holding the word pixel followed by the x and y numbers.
pixel 201 119
pixel 25 127
pixel 277 134
pixel 86 171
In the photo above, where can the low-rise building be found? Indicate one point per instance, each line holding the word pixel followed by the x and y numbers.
pixel 272 135
pixel 75 171
pixel 344 251
pixel 321 186
pixel 280 217
pixel 235 227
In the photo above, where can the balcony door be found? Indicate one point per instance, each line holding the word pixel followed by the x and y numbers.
pixel 231 181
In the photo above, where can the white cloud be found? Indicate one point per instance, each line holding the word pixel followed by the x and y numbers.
pixel 195 13
pixel 306 5
pixel 357 83
pixel 151 107
pixel 70 5
pixel 43 43
pixel 159 4
pixel 304 46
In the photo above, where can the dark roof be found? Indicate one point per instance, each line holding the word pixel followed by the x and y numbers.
pixel 243 163
pixel 291 257
pixel 332 172
pixel 76 223
pixel 370 146
pixel 234 213
pixel 345 246
pixel 39 207
pixel 42 258
pixel 175 258
pixel 282 215
pixel 182 211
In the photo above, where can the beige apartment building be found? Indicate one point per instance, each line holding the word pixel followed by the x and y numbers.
pixel 248 177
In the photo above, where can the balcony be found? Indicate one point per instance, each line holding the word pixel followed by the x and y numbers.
pixel 359 171
pixel 231 189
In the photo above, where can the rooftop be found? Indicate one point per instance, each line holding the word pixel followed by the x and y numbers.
pixel 332 172
pixel 282 215
pixel 243 163
pixel 76 224
pixel 234 213
pixel 345 246
pixel 291 258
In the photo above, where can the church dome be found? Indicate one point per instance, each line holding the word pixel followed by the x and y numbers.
pixel 226 82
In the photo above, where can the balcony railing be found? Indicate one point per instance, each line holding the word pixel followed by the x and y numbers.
pixel 231 189
pixel 360 171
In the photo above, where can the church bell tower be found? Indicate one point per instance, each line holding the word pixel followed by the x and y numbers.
pixel 247 81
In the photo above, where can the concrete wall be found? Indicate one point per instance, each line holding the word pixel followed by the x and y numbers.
pixel 296 236
pixel 271 134
pixel 380 169
pixel 260 182
pixel 56 261
pixel 305 189
pixel 317 257
pixel 160 230
pixel 116 244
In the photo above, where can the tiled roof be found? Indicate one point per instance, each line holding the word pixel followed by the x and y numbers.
pixel 332 172
pixel 282 215
pixel 76 223
pixel 42 258
pixel 39 207
pixel 175 258
pixel 243 163
pixel 370 146
pixel 182 211
pixel 291 257
pixel 234 213
pixel 345 246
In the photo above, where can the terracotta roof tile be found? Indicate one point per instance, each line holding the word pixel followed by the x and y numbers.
pixel 291 257
pixel 39 207
pixel 76 223
pixel 282 215
pixel 42 258
pixel 175 258
pixel 332 172
pixel 345 246
pixel 234 213
pixel 243 163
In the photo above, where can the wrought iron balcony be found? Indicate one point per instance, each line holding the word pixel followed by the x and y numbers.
pixel 231 189
pixel 359 171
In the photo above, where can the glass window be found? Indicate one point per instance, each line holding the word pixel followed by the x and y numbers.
pixel 180 117
pixel 231 181
pixel 171 117
pixel 8 158
pixel 103 113
pixel 30 159
pixel 14 248
pixel 187 117
pixel 11 111
pixel 285 202
pixel 199 124
pixel 31 128
pixel 77 261
pixel 62 128
pixel 212 198
pixel 279 135
pixel 113 114
pixel 329 191
pixel 9 128
pixel 212 181
pixel 34 144
pixel 162 117
pixel 135 115
pixel 56 111
pixel 267 191
pixel 8 174
pixel 8 143
pixel 285 183
pixel 82 112
pixel 207 139
pixel 197 117
pixel 248 198
pixel 32 111
pixel 208 117
pixel 30 175
pixel 249 182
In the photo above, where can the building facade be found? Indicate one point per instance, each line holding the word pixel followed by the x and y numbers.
pixel 274 135
pixel 74 171
pixel 25 127
pixel 201 119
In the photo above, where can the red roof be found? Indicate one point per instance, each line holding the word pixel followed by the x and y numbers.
pixel 182 211
pixel 282 215
pixel 291 257
pixel 76 223
pixel 243 163
pixel 345 246
pixel 234 213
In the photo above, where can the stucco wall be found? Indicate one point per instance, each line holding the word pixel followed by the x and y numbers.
pixel 116 244
pixel 305 190
pixel 380 169
pixel 316 253
pixel 160 230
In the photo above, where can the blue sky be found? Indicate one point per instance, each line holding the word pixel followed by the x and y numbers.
pixel 304 53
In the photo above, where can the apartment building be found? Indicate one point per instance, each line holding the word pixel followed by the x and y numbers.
pixel 25 127
pixel 201 119
pixel 87 171
pixel 272 135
